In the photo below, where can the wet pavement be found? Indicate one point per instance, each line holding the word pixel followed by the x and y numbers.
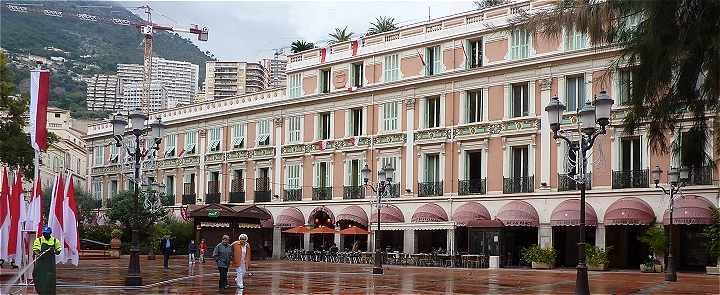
pixel 286 277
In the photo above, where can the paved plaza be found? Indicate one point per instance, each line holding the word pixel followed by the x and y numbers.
pixel 284 277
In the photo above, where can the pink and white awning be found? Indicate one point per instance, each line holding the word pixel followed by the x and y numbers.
pixel 629 211
pixel 473 214
pixel 690 209
pixel 567 213
pixel 290 217
pixel 518 213
pixel 353 213
pixel 388 214
pixel 429 212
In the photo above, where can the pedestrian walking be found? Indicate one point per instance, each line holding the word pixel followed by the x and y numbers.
pixel 46 246
pixel 167 248
pixel 203 249
pixel 192 249
pixel 241 258
pixel 222 254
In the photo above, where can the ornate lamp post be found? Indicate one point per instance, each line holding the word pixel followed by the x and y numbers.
pixel 590 117
pixel 385 178
pixel 677 179
pixel 157 129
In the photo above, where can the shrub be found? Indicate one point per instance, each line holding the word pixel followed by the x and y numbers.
pixel 654 237
pixel 116 233
pixel 597 256
pixel 100 233
pixel 539 255
pixel 712 234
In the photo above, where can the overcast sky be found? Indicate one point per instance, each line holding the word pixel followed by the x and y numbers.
pixel 250 30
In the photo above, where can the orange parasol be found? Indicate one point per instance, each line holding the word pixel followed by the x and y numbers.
pixel 354 231
pixel 297 230
pixel 322 230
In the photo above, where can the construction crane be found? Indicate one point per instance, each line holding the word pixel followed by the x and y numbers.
pixel 145 27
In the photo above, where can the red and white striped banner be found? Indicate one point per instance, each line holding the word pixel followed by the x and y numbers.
pixel 39 89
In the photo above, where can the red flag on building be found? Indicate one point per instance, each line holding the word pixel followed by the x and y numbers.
pixel 17 216
pixel 4 214
pixel 70 223
pixel 354 46
pixel 39 87
pixel 323 55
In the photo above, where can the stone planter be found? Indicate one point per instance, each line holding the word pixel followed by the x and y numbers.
pixel 540 265
pixel 654 268
pixel 600 267
pixel 115 247
pixel 712 270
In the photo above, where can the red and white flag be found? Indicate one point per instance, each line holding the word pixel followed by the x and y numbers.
pixel 354 46
pixel 4 214
pixel 34 213
pixel 17 216
pixel 55 218
pixel 181 153
pixel 70 223
pixel 39 88
pixel 323 55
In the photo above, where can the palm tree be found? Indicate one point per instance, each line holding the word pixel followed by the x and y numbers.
pixel 301 45
pixel 382 24
pixel 482 4
pixel 340 35
pixel 671 49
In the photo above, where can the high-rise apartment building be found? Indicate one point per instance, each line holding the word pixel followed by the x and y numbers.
pixel 132 96
pixel 225 79
pixel 103 93
pixel 276 72
pixel 179 78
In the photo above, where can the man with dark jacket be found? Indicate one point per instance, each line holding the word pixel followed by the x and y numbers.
pixel 222 254
pixel 166 244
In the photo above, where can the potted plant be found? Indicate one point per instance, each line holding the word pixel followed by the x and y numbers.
pixel 115 242
pixel 539 258
pixel 597 258
pixel 712 234
pixel 654 237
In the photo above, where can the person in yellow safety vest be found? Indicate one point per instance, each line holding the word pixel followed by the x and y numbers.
pixel 47 247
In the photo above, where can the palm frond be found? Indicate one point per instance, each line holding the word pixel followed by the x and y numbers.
pixel 340 35
pixel 301 45
pixel 382 24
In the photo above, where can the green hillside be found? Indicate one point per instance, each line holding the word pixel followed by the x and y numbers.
pixel 106 44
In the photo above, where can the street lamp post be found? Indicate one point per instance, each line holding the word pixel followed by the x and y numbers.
pixel 677 179
pixel 137 124
pixel 385 177
pixel 590 116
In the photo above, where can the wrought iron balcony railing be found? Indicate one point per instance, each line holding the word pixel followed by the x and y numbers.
pixel 430 189
pixel 353 192
pixel 521 184
pixel 473 186
pixel 237 197
pixel 701 176
pixel 188 199
pixel 237 191
pixel 262 189
pixel 566 182
pixel 630 179
pixel 293 195
pixel 212 198
pixel 322 193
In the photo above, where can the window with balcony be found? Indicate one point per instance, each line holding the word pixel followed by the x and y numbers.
pixel 474 106
pixel 433 61
pixel 323 126
pixel 690 154
pixel 238 136
pixel 294 127
pixel 390 116
pixel 475 53
pixel 631 174
pixel 263 132
pixel 294 82
pixel 114 153
pixel 170 186
pixel 325 81
pixel 190 142
pixel 98 155
pixel 432 184
pixel 262 185
pixel 574 40
pixel 357 75
pixel 188 196
pixel 353 182
pixel 432 112
pixel 355 122
pixel 520 103
pixel 519 44
pixel 624 86
pixel 571 167
pixel 474 182
pixel 574 92
pixel 170 145
pixel 97 189
pixel 323 185
pixel 213 188
pixel 214 139
pixel 237 186
pixel 392 68
pixel 293 191
pixel 520 180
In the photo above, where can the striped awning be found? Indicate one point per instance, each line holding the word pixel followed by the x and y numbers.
pixel 429 212
pixel 690 209
pixel 473 214
pixel 629 211
pixel 290 217
pixel 353 213
pixel 389 214
pixel 567 213
pixel 518 213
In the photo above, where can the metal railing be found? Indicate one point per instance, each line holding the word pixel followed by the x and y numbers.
pixel 262 189
pixel 566 182
pixel 237 191
pixel 237 197
pixel 701 176
pixel 353 192
pixel 630 179
pixel 430 188
pixel 521 184
pixel 293 195
pixel 472 186
pixel 322 193
pixel 212 198
pixel 188 199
